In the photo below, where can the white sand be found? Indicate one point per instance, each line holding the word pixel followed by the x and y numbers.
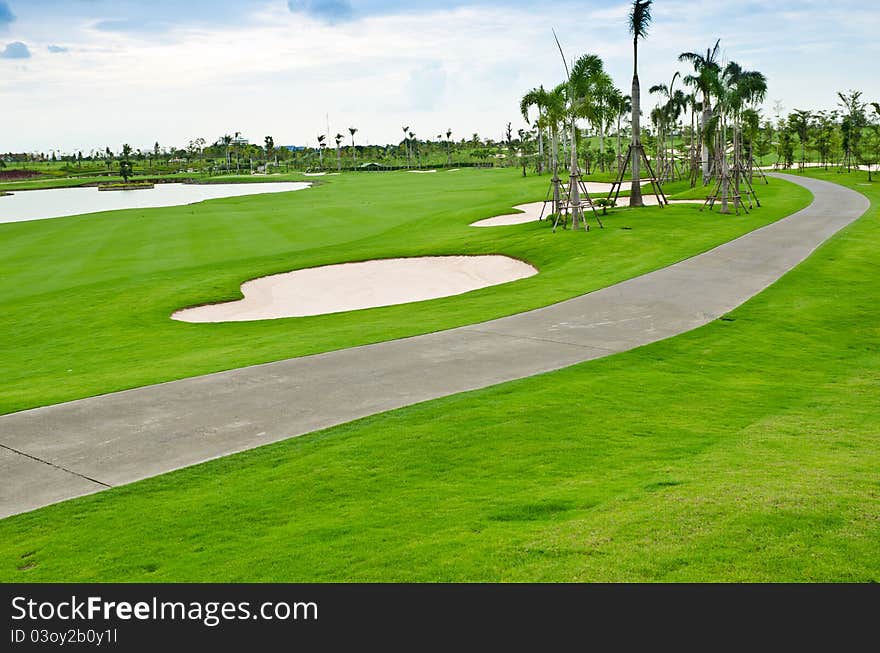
pixel 531 211
pixel 422 172
pixel 314 174
pixel 352 286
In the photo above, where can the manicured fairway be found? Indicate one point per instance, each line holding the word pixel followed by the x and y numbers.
pixel 85 301
pixel 744 450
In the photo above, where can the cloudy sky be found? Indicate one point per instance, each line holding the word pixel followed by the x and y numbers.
pixel 83 74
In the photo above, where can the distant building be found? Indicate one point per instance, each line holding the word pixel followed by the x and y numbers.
pixel 293 148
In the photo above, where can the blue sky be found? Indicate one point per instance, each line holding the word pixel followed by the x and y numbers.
pixel 83 74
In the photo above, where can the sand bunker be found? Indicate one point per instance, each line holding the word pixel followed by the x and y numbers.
pixel 532 211
pixel 422 172
pixel 352 286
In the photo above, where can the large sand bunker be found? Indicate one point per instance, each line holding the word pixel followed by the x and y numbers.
pixel 352 286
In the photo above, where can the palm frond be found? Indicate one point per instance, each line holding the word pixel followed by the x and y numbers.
pixel 640 18
pixel 659 88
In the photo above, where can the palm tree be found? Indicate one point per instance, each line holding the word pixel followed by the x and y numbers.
pixel 227 141
pixel 321 146
pixel 270 147
pixel 449 146
pixel 705 80
pixel 622 107
pixel 353 131
pixel 406 143
pixel 339 139
pixel 537 98
pixel 125 168
pixel 665 117
pixel 604 94
pixel 751 129
pixel 413 148
pixel 693 105
pixel 237 143
pixel 639 20
pixel 555 115
pixel 737 89
pixel 588 82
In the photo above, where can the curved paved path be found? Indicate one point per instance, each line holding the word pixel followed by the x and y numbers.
pixel 62 451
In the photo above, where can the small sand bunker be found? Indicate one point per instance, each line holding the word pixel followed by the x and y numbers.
pixel 422 172
pixel 352 286
pixel 530 213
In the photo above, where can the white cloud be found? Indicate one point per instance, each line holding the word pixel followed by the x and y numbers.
pixel 282 72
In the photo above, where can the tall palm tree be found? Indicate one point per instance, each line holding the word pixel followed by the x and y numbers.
pixel 227 141
pixel 125 167
pixel 751 128
pixel 639 21
pixel 604 94
pixel 737 89
pixel 666 115
pixel 449 146
pixel 354 155
pixel 705 79
pixel 406 144
pixel 414 149
pixel 339 138
pixel 554 116
pixel 622 107
pixel 321 146
pixel 693 105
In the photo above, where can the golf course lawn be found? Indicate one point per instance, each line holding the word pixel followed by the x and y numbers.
pixel 746 450
pixel 86 300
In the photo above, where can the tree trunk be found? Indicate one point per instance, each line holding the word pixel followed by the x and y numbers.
pixel 707 116
pixel 725 177
pixel 619 162
pixel 554 167
pixel 601 146
pixel 635 193
pixel 540 151
pixel 692 150
pixel 577 213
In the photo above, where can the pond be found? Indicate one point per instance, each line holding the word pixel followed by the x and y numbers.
pixel 62 202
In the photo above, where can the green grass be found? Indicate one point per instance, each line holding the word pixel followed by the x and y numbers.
pixel 745 450
pixel 86 300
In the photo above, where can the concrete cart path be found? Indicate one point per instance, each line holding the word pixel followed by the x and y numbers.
pixel 67 450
